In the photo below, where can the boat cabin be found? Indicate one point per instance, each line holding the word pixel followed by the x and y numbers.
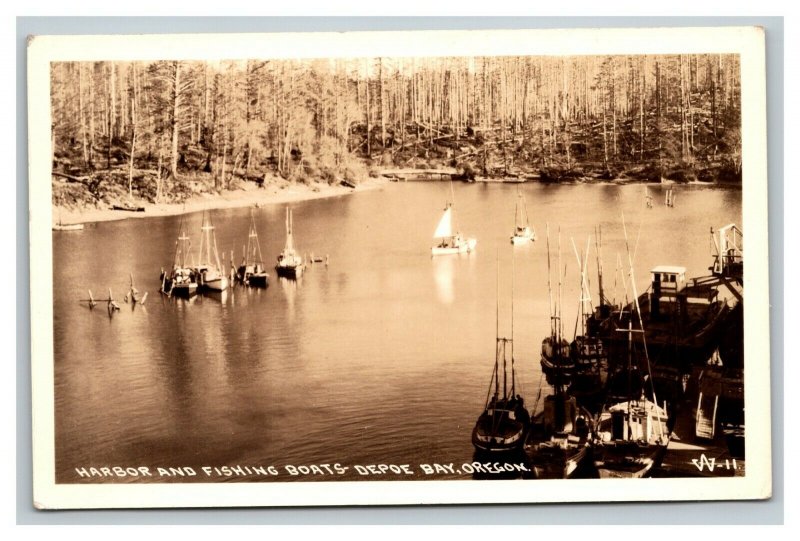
pixel 668 277
pixel 667 281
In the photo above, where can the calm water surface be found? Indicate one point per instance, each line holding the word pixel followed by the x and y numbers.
pixel 383 356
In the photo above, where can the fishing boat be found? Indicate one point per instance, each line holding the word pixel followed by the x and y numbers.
pixel 290 263
pixel 632 430
pixel 252 272
pixel 450 242
pixel 181 279
pixel 559 443
pixel 587 349
pixel 209 271
pixel 504 423
pixel 556 360
pixel 523 232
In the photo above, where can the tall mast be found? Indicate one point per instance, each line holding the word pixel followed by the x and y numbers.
pixel 513 378
pixel 549 282
pixel 497 328
pixel 598 245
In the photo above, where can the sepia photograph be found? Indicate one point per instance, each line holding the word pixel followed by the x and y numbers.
pixel 395 268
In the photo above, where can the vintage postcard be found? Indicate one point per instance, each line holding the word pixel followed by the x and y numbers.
pixel 399 268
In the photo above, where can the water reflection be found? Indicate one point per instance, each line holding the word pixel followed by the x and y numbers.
pixel 443 276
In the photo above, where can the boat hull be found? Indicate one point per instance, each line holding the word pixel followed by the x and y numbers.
pixel 219 283
pixel 463 247
pixel 183 290
pixel 68 227
pixel 260 279
pixel 286 271
pixel 551 462
pixel 628 460
pixel 516 240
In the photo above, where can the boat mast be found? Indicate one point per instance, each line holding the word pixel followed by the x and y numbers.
pixel 549 282
pixel 598 246
pixel 513 378
pixel 641 324
pixel 497 329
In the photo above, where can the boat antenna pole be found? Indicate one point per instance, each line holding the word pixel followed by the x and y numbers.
pixel 560 325
pixel 513 379
pixel 497 327
pixel 598 246
pixel 641 323
pixel 549 282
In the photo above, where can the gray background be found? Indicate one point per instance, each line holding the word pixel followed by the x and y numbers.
pixel 764 512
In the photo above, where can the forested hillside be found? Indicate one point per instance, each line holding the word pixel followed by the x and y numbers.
pixel 159 131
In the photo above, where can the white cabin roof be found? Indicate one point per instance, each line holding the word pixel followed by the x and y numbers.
pixel 668 269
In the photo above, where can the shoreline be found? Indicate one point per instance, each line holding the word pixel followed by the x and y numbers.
pixel 249 197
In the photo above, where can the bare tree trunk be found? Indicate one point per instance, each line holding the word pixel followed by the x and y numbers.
pixel 133 136
pixel 81 113
pixel 175 127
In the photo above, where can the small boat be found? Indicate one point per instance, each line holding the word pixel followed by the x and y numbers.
pixel 290 263
pixel 523 232
pixel 209 271
pixel 559 443
pixel 450 242
pixel 67 227
pixel 181 280
pixel 252 272
pixel 504 423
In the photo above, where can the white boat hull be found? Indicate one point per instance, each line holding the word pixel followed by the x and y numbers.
pixel 68 227
pixel 463 247
pixel 521 239
pixel 216 284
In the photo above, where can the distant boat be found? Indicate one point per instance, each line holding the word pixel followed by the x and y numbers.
pixel 504 423
pixel 181 280
pixel 450 242
pixel 67 227
pixel 290 263
pixel 60 226
pixel 523 232
pixel 209 271
pixel 252 272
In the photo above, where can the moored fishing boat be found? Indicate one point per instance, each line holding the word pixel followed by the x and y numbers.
pixel 632 430
pixel 290 263
pixel 252 272
pixel 558 445
pixel 556 361
pixel 181 279
pixel 209 271
pixel 504 423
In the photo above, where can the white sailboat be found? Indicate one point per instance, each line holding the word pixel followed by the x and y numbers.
pixel 523 232
pixel 209 271
pixel 290 263
pixel 450 242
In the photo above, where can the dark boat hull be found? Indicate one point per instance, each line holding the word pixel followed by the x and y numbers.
pixel 551 462
pixel 627 460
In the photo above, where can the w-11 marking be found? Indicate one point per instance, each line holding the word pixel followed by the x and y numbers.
pixel 711 463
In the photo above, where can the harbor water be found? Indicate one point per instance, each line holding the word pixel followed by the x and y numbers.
pixel 382 356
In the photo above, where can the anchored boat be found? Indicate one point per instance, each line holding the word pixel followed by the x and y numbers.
pixel 252 272
pixel 523 232
pixel 290 263
pixel 632 430
pixel 209 272
pixel 505 422
pixel 181 280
